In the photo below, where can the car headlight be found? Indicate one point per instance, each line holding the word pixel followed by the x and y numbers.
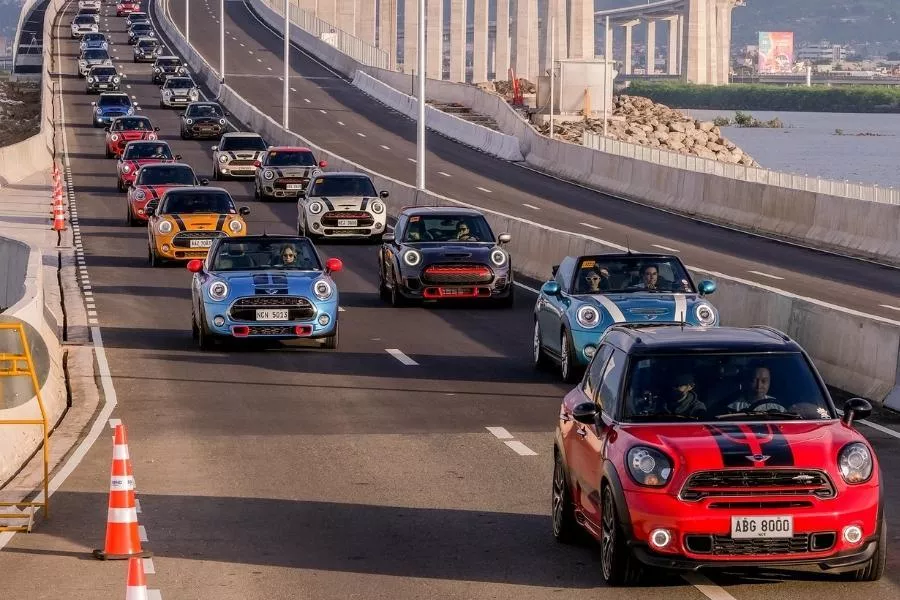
pixel 221 121
pixel 139 195
pixel 223 159
pixel 116 79
pixel 114 137
pixel 705 313
pixel 90 80
pixel 130 110
pixel 152 136
pixel 99 111
pixel 588 316
pixel 377 207
pixel 855 463
pixel 189 121
pixel 235 226
pixel 194 94
pixel 164 227
pixel 322 289
pixel 167 92
pixel 126 169
pixel 156 69
pixel 315 208
pixel 182 70
pixel 498 257
pixel 649 467
pixel 412 257
pixel 267 174
pixel 218 290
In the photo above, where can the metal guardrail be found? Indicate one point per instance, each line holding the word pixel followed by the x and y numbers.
pixel 668 158
pixel 352 46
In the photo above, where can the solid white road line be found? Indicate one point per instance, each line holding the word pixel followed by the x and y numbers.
pixel 360 134
pixel 412 160
pixel 897 308
pixel 403 358
pixel 500 433
pixel 666 248
pixel 761 274
pixel 154 595
pixel 307 100
pixel 324 112
pixel 293 89
pixel 520 448
pixel 341 123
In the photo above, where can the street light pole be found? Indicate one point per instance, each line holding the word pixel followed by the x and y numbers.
pixel 420 123
pixel 287 59
pixel 187 21
pixel 552 68
pixel 222 41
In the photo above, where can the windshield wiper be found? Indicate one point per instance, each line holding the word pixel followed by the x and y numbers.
pixel 662 417
pixel 762 414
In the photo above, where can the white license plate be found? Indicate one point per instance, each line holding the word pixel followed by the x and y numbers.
pixel 272 315
pixel 346 222
pixel 201 243
pixel 103 85
pixel 748 528
pixel 294 186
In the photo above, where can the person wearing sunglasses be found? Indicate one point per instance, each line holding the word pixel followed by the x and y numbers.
pixel 597 281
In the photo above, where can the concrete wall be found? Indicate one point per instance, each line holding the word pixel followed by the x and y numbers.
pixel 855 352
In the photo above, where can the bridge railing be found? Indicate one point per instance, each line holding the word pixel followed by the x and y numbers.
pixel 350 45
pixel 668 158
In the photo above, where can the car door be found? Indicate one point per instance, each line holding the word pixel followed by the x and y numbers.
pixel 389 250
pixel 579 455
pixel 592 439
pixel 551 309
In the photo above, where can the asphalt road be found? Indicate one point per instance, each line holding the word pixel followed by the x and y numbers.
pixel 303 473
pixel 328 110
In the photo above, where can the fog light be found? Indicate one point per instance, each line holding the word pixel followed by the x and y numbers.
pixel 589 350
pixel 660 538
pixel 315 226
pixel 852 534
pixel 219 320
pixel 324 320
pixel 165 248
pixel 378 225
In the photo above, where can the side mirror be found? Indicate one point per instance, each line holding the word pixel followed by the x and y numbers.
pixel 93 104
pixel 106 128
pixel 244 211
pixel 204 181
pixel 214 148
pixel 180 114
pixel 856 408
pixel 554 269
pixel 257 164
pixel 134 103
pixel 333 265
pixel 156 129
pixel 706 287
pixel 177 157
pixel 150 211
pixel 586 412
pixel 383 194
pixel 388 238
pixel 129 184
pixel 195 265
pixel 504 238
pixel 551 288
pixel 323 163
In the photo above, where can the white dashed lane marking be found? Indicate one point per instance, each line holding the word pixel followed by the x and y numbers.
pixel 500 433
pixel 520 448
pixel 666 248
pixel 385 147
pixel 897 308
pixel 403 358
pixel 444 174
pixel 358 133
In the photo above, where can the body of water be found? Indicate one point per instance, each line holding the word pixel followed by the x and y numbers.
pixel 808 144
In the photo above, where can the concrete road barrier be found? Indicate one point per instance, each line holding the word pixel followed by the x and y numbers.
pixel 855 352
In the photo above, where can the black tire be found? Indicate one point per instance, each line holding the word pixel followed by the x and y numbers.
pixel 568 367
pixel 331 342
pixel 508 301
pixel 120 186
pixel 154 260
pixel 397 299
pixel 205 340
pixel 538 357
pixel 108 153
pixel 129 217
pixel 618 566
pixel 383 292
pixel 195 331
pixel 874 569
pixel 216 175
pixel 562 509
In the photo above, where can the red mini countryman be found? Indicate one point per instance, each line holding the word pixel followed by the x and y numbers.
pixel 128 129
pixel 123 9
pixel 151 182
pixel 694 447
pixel 138 154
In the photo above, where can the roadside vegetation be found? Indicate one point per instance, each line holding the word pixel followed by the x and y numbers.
pixel 20 111
pixel 737 96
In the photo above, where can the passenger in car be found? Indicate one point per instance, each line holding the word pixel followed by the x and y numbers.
pixel 686 401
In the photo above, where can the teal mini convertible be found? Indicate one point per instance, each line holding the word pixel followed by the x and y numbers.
pixel 588 294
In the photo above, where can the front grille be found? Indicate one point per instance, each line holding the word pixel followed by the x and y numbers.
pixel 723 545
pixel 345 231
pixel 191 253
pixel 183 239
pixel 282 182
pixel 459 273
pixel 271 330
pixel 362 218
pixel 299 308
pixel 758 482
pixel 241 163
pixel 201 127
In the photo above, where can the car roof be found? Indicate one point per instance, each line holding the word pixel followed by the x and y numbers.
pixel 289 149
pixel 169 165
pixel 615 255
pixel 330 174
pixel 139 142
pixel 242 134
pixel 194 189
pixel 167 57
pixel 203 103
pixel 443 210
pixel 649 338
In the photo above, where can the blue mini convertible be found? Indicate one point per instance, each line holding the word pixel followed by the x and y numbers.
pixel 265 287
pixel 588 294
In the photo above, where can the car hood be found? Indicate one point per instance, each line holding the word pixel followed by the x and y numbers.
pixel 698 447
pixel 345 202
pixel 271 283
pixel 450 252
pixel 155 192
pixel 182 91
pixel 293 171
pixel 199 120
pixel 241 154
pixel 639 307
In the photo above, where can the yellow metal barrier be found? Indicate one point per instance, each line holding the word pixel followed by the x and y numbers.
pixel 21 365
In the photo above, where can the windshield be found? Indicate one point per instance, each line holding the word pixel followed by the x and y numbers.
pixel 624 274
pixel 240 254
pixel 204 110
pixel 147 150
pixel 141 26
pixel 95 54
pixel 166 175
pixel 168 62
pixel 84 20
pixel 104 71
pixel 290 158
pixel 448 228
pixel 187 200
pixel 94 37
pixel 114 101
pixel 342 186
pixel 148 43
pixel 723 387
pixel 132 123
pixel 242 143
pixel 179 82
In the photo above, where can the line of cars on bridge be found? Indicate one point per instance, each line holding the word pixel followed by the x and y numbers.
pixel 683 445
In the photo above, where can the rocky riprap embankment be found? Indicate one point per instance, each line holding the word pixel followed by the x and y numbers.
pixel 20 111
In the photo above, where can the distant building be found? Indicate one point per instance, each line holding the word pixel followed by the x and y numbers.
pixel 821 52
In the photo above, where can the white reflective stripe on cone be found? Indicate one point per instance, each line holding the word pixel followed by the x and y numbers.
pixel 120 452
pixel 121 515
pixel 121 483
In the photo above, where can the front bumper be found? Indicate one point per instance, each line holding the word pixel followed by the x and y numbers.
pixel 585 339
pixel 285 330
pixel 173 101
pixel 127 178
pixel 236 170
pixel 353 224
pixel 105 86
pixel 270 188
pixel 145 57
pixel 416 289
pixel 205 130
pixel 105 119
pixel 137 208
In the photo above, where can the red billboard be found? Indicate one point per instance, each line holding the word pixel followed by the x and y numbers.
pixel 776 51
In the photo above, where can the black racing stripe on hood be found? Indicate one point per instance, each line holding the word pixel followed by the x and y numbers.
pixel 181 226
pixel 328 204
pixel 738 448
pixel 220 222
pixel 364 204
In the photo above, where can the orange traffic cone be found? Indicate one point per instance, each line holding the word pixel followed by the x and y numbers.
pixel 137 582
pixel 122 535
pixel 59 217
